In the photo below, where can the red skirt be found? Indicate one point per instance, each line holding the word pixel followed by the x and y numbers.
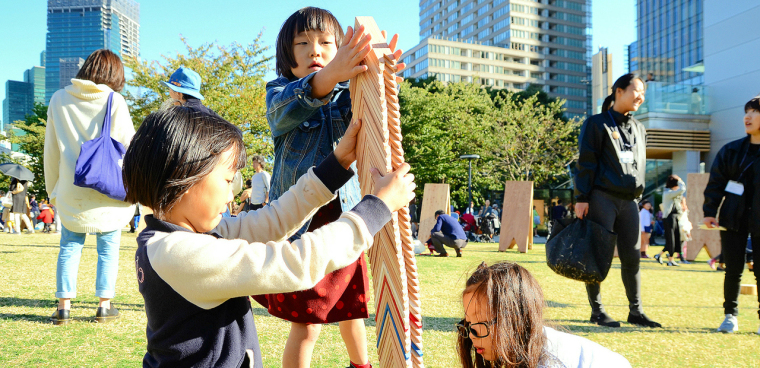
pixel 339 296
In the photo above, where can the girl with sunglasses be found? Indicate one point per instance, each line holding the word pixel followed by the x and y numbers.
pixel 504 326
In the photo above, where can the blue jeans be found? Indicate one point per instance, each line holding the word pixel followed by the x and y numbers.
pixel 68 263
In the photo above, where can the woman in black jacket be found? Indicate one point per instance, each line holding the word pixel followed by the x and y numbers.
pixel 609 179
pixel 734 179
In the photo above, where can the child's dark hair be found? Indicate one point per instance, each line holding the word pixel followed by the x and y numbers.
pixel 173 150
pixel 303 20
pixel 753 104
pixel 622 83
pixel 671 181
pixel 516 301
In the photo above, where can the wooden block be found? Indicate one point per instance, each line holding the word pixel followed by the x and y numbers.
pixel 539 203
pixel 749 289
pixel 517 216
pixel 435 197
pixel 695 198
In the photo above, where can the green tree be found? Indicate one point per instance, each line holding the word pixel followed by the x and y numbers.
pixel 534 141
pixel 441 122
pixel 233 86
pixel 32 143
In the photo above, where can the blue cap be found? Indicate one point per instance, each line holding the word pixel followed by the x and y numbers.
pixel 185 81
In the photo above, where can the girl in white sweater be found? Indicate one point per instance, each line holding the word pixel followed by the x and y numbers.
pixel 75 116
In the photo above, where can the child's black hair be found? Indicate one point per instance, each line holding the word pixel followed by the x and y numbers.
pixel 753 104
pixel 173 150
pixel 303 20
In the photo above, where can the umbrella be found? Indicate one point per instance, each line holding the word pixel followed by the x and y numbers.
pixel 17 171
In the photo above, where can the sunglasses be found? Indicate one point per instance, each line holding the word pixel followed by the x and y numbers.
pixel 465 329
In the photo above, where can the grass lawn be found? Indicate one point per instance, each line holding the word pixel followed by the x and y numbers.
pixel 686 300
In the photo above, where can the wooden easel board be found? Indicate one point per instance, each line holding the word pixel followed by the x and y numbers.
pixel 539 203
pixel 695 198
pixel 517 216
pixel 435 197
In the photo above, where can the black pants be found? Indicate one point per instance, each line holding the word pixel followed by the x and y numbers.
pixel 734 245
pixel 439 240
pixel 672 234
pixel 622 217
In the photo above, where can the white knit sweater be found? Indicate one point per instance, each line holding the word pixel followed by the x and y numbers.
pixel 75 116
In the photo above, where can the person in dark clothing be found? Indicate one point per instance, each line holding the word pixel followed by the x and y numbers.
pixel 559 211
pixel 448 232
pixel 609 179
pixel 672 199
pixel 185 88
pixel 734 178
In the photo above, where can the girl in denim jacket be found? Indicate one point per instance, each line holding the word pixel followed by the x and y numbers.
pixel 309 110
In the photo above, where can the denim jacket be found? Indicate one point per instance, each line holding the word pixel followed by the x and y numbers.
pixel 305 131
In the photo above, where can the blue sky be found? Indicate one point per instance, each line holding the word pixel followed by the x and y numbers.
pixel 161 22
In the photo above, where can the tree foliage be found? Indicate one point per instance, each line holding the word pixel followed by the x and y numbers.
pixel 232 83
pixel 32 143
pixel 518 136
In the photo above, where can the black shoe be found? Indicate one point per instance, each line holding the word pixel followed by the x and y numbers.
pixel 60 317
pixel 658 259
pixel 602 319
pixel 103 315
pixel 642 320
pixel 443 255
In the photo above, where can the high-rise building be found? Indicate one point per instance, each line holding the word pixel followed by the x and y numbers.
pixel 36 76
pixel 669 42
pixel 18 102
pixel 508 44
pixel 601 78
pixel 68 69
pixel 76 28
pixel 42 58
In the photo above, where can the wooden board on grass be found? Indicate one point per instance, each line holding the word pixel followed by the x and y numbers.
pixel 517 217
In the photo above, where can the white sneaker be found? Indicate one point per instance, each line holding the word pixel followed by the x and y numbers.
pixel 729 325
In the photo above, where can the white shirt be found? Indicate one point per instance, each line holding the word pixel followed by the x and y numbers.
pixel 570 351
pixel 645 218
pixel 260 187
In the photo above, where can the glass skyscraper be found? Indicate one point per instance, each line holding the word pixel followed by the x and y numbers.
pixel 76 28
pixel 669 43
pixel 18 102
pixel 36 76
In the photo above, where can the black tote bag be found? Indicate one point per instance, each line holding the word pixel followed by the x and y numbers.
pixel 581 250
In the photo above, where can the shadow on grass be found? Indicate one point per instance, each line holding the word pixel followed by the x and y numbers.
pixel 553 304
pixel 574 325
pixel 52 303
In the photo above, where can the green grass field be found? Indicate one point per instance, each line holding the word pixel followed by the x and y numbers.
pixel 686 300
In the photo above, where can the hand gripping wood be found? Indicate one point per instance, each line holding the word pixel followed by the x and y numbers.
pixel 374 100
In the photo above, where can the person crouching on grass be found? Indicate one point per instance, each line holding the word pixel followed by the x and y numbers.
pixel 504 326
pixel 733 188
pixel 196 270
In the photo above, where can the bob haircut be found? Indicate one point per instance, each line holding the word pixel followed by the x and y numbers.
pixel 671 182
pixel 622 83
pixel 753 104
pixel 103 67
pixel 303 20
pixel 173 150
pixel 516 302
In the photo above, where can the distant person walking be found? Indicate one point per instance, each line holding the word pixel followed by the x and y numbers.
pixel 559 211
pixel 20 206
pixel 646 224
pixel 672 199
pixel 75 116
pixel 609 178
pixel 734 181
pixel 260 184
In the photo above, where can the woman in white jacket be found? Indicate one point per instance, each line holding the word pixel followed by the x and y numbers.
pixel 75 116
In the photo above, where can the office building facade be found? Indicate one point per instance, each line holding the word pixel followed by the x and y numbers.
pixel 508 44
pixel 18 102
pixel 36 76
pixel 76 28
pixel 669 42
pixel 601 78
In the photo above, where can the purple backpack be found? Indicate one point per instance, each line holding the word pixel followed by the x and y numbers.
pixel 100 160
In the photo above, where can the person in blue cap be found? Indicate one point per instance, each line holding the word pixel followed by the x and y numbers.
pixel 185 88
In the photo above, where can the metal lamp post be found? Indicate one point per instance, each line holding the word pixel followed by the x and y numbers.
pixel 469 159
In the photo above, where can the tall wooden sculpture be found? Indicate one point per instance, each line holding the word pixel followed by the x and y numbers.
pixel 374 99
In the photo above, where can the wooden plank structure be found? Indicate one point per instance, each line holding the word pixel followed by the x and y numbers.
pixel 695 198
pixel 374 99
pixel 539 203
pixel 434 197
pixel 517 217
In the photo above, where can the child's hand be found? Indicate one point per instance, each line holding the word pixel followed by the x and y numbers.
pixel 395 189
pixel 345 64
pixel 345 152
